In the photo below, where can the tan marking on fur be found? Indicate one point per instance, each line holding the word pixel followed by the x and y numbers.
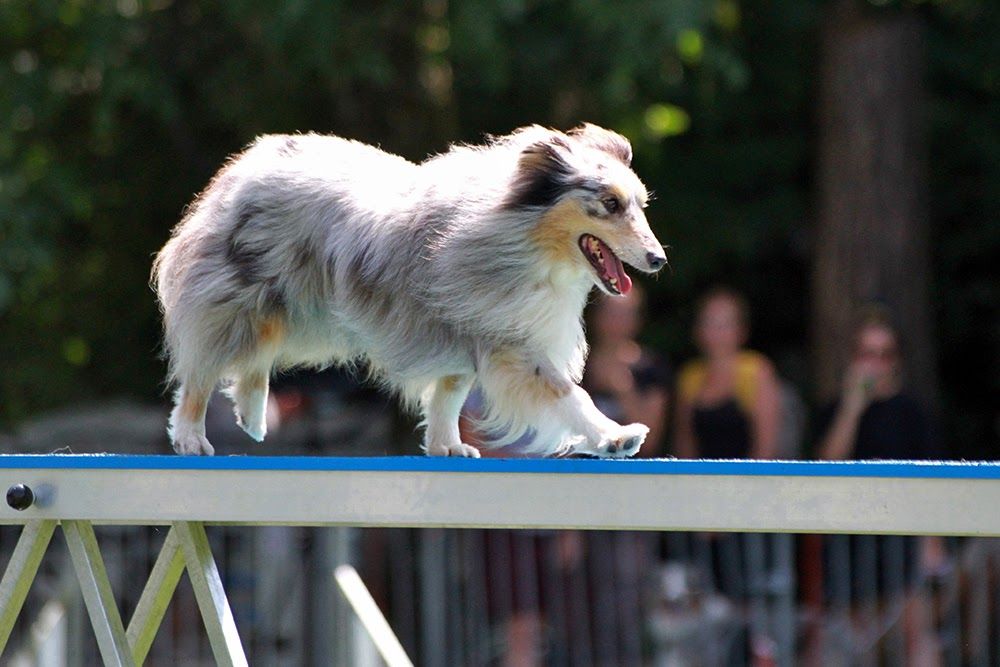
pixel 559 388
pixel 271 331
pixel 193 406
pixel 252 381
pixel 527 381
pixel 450 382
pixel 558 230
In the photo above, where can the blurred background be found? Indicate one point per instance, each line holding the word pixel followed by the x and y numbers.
pixel 821 159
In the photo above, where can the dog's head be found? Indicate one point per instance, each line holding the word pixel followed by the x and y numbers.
pixel 589 203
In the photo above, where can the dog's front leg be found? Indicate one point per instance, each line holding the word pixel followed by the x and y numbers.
pixel 441 412
pixel 535 392
pixel 602 436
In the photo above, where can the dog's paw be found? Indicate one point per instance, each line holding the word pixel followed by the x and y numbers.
pixel 455 449
pixel 193 444
pixel 623 443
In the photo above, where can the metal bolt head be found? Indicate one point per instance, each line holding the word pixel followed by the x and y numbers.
pixel 20 497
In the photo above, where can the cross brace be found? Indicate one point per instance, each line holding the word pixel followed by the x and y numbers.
pixel 185 548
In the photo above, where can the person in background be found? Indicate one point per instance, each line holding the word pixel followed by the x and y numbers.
pixel 875 418
pixel 728 400
pixel 628 382
pixel 729 407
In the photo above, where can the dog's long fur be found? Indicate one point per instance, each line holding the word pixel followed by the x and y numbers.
pixel 311 250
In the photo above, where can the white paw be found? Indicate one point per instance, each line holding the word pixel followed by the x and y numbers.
pixel 623 442
pixel 255 426
pixel 453 449
pixel 192 443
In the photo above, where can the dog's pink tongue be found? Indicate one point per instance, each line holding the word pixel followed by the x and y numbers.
pixel 624 282
pixel 616 269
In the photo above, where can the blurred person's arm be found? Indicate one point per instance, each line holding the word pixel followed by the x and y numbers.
pixel 684 442
pixel 766 414
pixel 650 408
pixel 934 558
pixel 838 443
pixel 687 386
pixel 933 555
pixel 645 402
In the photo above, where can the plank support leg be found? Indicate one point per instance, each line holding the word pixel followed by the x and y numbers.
pixel 155 597
pixel 21 571
pixel 100 600
pixel 211 596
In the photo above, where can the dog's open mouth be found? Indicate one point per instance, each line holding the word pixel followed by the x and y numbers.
pixel 609 268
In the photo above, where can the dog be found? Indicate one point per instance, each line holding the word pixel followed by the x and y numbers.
pixel 473 266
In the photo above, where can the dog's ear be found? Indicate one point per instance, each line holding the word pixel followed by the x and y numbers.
pixel 543 172
pixel 610 142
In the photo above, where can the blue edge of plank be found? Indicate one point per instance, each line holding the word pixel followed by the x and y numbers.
pixel 897 469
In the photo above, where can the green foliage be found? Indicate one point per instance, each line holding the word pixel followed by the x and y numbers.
pixel 118 112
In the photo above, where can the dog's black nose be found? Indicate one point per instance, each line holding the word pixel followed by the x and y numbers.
pixel 656 262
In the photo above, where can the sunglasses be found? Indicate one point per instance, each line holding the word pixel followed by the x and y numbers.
pixel 880 353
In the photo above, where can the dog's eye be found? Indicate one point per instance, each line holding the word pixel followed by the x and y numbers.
pixel 611 204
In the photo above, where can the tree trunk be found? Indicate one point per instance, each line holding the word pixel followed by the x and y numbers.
pixel 871 236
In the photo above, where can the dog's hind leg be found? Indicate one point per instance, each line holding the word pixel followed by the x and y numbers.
pixel 249 392
pixel 249 395
pixel 441 411
pixel 187 420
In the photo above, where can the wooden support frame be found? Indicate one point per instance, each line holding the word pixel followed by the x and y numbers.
pixel 211 596
pixel 21 570
pixel 97 594
pixel 185 548
pixel 155 598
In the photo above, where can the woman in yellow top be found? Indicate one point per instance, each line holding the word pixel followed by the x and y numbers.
pixel 728 400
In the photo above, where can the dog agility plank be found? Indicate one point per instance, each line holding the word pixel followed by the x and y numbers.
pixel 826 497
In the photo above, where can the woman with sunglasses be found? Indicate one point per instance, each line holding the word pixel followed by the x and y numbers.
pixel 875 418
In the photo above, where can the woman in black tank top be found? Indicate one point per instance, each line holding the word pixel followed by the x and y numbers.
pixel 728 402
pixel 722 430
